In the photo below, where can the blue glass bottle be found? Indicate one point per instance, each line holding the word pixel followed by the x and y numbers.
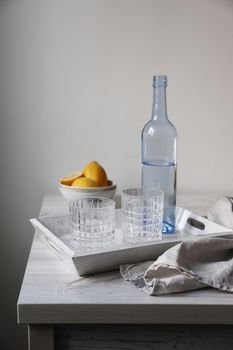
pixel 159 138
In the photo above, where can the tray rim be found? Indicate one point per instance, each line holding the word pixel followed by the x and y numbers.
pixel 39 226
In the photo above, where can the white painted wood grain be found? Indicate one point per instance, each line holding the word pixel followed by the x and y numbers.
pixel 52 293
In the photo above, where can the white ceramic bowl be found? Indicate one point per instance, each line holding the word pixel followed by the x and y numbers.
pixel 72 193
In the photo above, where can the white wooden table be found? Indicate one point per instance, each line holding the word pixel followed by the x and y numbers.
pixel 105 312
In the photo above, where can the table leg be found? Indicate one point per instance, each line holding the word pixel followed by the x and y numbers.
pixel 40 337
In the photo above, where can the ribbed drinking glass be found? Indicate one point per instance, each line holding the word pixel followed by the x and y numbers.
pixel 93 222
pixel 142 214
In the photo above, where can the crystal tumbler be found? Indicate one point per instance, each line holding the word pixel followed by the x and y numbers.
pixel 142 214
pixel 93 222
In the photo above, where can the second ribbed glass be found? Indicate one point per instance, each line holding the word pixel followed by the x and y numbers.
pixel 142 214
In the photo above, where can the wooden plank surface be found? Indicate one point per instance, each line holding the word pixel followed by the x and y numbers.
pixel 143 337
pixel 52 293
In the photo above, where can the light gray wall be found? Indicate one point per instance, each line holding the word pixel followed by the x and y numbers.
pixel 75 85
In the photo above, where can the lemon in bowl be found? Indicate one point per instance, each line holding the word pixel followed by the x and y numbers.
pixel 83 182
pixel 96 172
pixel 69 178
pixel 92 181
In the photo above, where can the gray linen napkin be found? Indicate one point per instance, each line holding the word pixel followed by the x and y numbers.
pixel 222 212
pixel 189 265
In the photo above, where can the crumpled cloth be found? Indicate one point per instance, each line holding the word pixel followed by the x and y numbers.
pixel 189 265
pixel 222 212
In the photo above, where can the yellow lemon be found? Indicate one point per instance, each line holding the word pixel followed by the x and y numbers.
pixel 96 172
pixel 69 178
pixel 84 182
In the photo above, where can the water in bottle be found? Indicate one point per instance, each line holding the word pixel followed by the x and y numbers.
pixel 159 138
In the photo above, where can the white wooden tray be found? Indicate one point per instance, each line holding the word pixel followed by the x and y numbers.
pixel 56 233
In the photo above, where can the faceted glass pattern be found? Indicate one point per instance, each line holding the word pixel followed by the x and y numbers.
pixel 142 214
pixel 93 222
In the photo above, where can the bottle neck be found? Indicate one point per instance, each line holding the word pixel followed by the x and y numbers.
pixel 159 108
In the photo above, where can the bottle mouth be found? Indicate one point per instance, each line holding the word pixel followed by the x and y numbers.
pixel 159 81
